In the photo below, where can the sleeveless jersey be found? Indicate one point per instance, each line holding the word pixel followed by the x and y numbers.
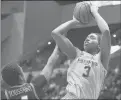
pixel 85 76
pixel 21 92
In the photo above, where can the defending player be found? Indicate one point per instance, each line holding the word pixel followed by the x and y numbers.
pixel 89 67
pixel 13 75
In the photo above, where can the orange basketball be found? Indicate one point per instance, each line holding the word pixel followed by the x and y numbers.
pixel 82 12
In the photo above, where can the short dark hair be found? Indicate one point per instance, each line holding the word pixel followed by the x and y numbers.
pixel 10 74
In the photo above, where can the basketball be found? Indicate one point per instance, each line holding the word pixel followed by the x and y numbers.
pixel 82 12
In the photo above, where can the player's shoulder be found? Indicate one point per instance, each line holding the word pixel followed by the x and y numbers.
pixel 25 84
pixel 20 86
pixel 79 52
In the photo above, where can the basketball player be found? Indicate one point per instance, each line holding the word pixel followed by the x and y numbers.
pixel 13 75
pixel 88 68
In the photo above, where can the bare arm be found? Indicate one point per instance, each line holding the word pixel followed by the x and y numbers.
pixel 64 43
pixel 105 44
pixel 45 74
pixel 52 62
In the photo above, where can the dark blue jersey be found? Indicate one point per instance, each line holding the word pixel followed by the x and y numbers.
pixel 21 92
pixel 27 90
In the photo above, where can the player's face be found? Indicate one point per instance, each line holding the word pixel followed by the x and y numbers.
pixel 91 43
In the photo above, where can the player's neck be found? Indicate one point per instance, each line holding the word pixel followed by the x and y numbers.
pixel 92 53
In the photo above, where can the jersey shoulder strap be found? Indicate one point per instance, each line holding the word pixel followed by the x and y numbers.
pixel 34 90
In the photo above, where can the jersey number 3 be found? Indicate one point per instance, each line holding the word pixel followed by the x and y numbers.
pixel 87 71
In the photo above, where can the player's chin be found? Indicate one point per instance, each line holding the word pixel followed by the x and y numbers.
pixel 90 47
pixel 85 48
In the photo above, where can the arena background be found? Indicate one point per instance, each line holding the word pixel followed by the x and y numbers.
pixel 26 36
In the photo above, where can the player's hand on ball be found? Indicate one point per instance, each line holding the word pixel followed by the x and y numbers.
pixel 93 8
pixel 77 24
pixel 74 18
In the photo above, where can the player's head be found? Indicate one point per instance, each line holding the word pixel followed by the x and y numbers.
pixel 12 74
pixel 92 43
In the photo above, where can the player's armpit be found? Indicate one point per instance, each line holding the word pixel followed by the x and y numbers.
pixel 65 45
pixel 105 47
pixel 39 81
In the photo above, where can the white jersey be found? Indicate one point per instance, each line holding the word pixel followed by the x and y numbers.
pixel 85 76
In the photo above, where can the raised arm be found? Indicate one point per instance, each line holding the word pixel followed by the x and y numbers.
pixel 52 62
pixel 105 43
pixel 45 74
pixel 64 43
